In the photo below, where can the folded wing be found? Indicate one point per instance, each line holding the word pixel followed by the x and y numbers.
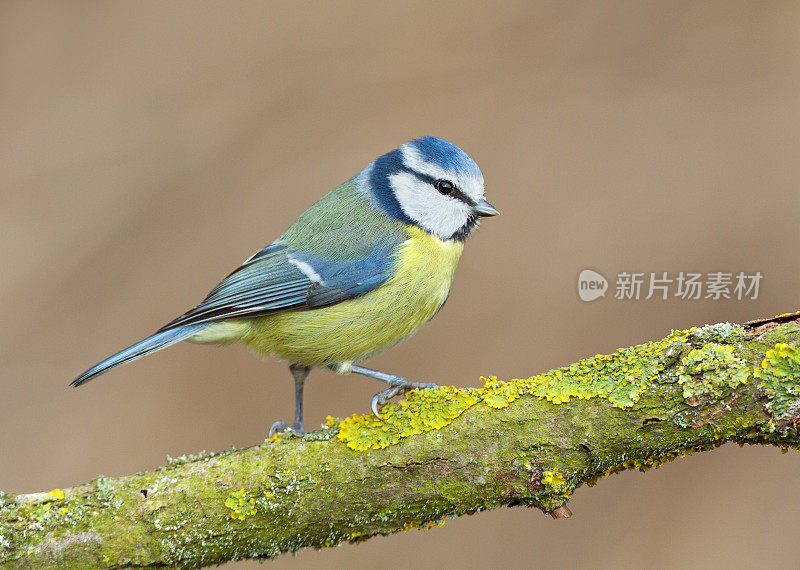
pixel 280 278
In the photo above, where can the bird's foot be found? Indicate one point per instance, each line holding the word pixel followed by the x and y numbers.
pixel 396 388
pixel 282 428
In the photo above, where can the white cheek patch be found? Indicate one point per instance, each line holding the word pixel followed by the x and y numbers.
pixel 471 186
pixel 436 213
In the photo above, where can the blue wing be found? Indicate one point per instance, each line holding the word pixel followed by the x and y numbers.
pixel 280 278
pixel 341 248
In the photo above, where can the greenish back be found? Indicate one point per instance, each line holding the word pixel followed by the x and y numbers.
pixel 344 224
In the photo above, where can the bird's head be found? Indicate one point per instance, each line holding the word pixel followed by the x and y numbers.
pixel 430 183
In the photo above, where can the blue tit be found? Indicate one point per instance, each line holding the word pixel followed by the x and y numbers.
pixel 360 271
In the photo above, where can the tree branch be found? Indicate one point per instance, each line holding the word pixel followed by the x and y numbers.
pixel 441 453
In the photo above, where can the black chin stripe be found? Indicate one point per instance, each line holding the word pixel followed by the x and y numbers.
pixel 457 193
pixel 464 231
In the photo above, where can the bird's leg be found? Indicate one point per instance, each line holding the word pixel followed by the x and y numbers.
pixel 300 374
pixel 397 386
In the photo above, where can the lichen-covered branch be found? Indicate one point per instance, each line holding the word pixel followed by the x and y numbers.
pixel 441 453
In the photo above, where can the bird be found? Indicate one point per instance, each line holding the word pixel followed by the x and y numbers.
pixel 361 270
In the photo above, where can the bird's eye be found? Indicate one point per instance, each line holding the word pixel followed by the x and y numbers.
pixel 444 186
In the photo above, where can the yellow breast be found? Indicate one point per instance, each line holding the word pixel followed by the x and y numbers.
pixel 353 331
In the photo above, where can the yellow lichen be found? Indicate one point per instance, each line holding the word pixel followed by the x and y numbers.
pixel 44 509
pixel 497 394
pixel 57 494
pixel 421 411
pixel 783 360
pixel 421 525
pixel 553 478
pixel 784 315
pixel 241 505
pixel 780 363
pixel 620 377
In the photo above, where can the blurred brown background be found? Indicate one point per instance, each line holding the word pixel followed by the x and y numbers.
pixel 148 148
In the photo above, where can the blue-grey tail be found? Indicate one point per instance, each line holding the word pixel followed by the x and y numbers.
pixel 151 344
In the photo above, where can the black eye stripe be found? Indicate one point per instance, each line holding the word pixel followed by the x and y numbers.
pixel 457 193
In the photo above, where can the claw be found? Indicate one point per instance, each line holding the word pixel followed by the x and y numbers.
pixel 397 389
pixel 384 396
pixel 281 427
pixel 277 427
pixel 375 405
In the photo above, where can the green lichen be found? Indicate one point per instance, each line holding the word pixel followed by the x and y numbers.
pixel 671 353
pixel 711 370
pixel 620 377
pixel 719 333
pixel 189 458
pixel 241 505
pixel 646 463
pixel 329 430
pixel 780 364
